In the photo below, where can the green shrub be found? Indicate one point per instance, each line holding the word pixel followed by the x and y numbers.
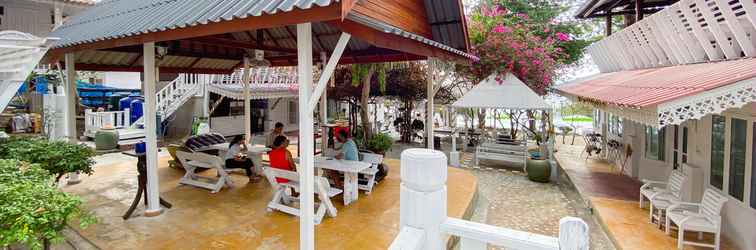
pixel 31 210
pixel 380 143
pixel 57 157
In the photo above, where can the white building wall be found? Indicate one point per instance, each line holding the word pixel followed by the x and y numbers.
pixel 123 80
pixel 282 113
pixel 739 219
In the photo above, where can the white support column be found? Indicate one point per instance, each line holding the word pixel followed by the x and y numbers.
pixel 57 16
pixel 150 131
pixel 306 157
pixel 205 98
pixel 70 60
pixel 247 109
pixel 422 195
pixel 70 97
pixel 430 90
pixel 324 110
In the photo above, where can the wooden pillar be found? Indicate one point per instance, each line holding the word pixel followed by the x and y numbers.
pixel 306 158
pixel 150 130
pixel 638 10
pixel 429 107
pixel 246 77
pixel 609 25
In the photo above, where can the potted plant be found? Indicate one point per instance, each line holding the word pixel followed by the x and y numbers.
pixel 57 157
pixel 32 211
pixel 380 143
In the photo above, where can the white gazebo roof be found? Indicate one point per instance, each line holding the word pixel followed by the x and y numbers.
pixel 510 93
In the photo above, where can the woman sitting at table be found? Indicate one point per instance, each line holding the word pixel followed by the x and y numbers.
pixel 235 158
pixel 280 157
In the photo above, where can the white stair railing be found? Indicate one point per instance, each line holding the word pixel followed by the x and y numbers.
pixel 19 55
pixel 177 92
pixel 94 121
pixel 424 222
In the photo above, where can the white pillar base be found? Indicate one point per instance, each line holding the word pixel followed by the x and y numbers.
pixel 454 158
pixel 153 212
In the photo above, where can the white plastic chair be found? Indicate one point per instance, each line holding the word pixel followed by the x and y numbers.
pixel 661 195
pixel 704 217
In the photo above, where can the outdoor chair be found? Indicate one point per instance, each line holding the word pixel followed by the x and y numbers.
pixel 661 195
pixel 282 199
pixel 368 176
pixel 704 217
pixel 193 160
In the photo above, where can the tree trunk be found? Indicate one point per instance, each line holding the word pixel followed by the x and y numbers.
pixel 481 118
pixel 364 99
pixel 574 131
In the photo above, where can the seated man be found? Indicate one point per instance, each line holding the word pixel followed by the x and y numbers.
pixel 348 152
pixel 277 131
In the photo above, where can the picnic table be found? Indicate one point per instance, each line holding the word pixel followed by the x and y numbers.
pixel 351 169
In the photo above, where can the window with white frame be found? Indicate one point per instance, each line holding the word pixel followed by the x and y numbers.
pixel 738 144
pixel 753 167
pixel 615 125
pixel 654 143
pixel 733 169
pixel 716 177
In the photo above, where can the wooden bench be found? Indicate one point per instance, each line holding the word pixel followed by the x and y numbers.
pixel 282 198
pixel 193 160
pixel 511 153
pixel 369 174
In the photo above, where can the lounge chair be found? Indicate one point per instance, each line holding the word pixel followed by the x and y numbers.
pixel 282 199
pixel 661 195
pixel 704 217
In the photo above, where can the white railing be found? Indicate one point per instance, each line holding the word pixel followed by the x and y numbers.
pixel 94 121
pixel 19 54
pixel 425 225
pixel 689 31
pixel 178 91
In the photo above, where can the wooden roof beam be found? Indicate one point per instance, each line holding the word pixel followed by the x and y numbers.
pixel 222 42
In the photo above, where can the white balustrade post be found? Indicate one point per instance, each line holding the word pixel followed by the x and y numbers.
pixel 454 154
pixel 423 193
pixel 573 234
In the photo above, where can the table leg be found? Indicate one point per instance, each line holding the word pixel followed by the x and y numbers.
pixel 350 188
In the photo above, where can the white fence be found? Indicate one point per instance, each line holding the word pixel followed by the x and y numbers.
pixel 425 225
pixel 689 31
pixel 93 121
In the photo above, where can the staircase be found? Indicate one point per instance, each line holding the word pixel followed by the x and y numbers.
pixel 19 55
pixel 177 92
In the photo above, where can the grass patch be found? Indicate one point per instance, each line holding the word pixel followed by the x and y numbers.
pixel 577 119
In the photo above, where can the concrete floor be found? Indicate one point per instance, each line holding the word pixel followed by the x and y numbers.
pixel 236 218
pixel 614 199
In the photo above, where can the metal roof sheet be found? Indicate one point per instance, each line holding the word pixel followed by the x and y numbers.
pixel 650 87
pixel 113 19
pixel 122 18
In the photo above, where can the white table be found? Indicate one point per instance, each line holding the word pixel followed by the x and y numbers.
pixel 254 152
pixel 351 169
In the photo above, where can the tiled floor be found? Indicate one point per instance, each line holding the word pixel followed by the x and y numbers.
pixel 614 199
pixel 236 218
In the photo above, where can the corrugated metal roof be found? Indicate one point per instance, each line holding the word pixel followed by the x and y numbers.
pixel 447 25
pixel 114 19
pixel 122 18
pixel 649 87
